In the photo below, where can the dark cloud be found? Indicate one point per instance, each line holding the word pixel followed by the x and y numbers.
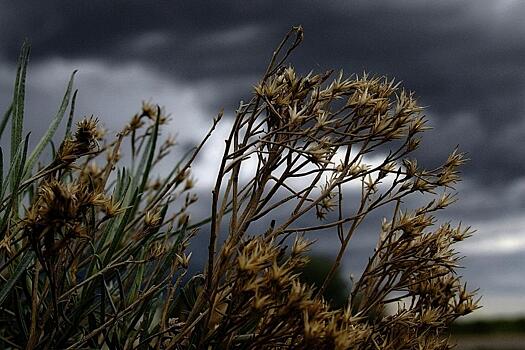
pixel 464 59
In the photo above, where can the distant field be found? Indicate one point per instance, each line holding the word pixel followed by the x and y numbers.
pixel 496 334
pixel 491 342
pixel 486 327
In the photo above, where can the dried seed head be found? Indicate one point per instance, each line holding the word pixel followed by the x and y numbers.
pixel 153 112
pixel 149 110
pixel 157 250
pixel 300 246
pixel 260 302
pixel 318 153
pixel 58 201
pixel 152 218
pixel 110 207
pixel 86 134
pixel 183 219
pixel 67 152
pixel 189 183
pixel 296 117
pixel 183 259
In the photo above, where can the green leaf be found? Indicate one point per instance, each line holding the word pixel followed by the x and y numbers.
pixel 20 312
pixel 20 269
pixel 188 296
pixel 1 174
pixel 137 279
pixel 133 197
pixel 13 168
pixel 5 119
pixel 119 233
pixel 17 120
pixel 15 177
pixel 71 113
pixel 52 128
pixel 152 143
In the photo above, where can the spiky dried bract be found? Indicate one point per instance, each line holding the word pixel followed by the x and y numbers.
pixel 264 288
pixel 310 137
pixel 102 245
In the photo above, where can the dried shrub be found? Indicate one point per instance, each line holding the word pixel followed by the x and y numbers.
pixel 100 256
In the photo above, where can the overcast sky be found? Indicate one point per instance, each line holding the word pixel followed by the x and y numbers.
pixel 464 59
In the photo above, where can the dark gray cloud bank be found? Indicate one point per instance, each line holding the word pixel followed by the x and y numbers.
pixel 464 59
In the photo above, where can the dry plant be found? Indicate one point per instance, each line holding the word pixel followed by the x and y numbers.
pixel 94 252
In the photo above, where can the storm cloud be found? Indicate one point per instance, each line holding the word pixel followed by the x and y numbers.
pixel 465 60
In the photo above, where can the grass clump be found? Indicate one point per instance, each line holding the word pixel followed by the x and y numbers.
pixel 95 252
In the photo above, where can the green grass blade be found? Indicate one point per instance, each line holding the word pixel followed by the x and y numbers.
pixel 120 231
pixel 137 278
pixel 71 114
pixel 17 119
pixel 10 170
pixel 5 119
pixel 113 226
pixel 15 178
pixel 152 143
pixel 133 197
pixel 20 269
pixel 52 128
pixel 121 193
pixel 1 174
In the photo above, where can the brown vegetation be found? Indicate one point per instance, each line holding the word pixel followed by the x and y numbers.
pixel 99 258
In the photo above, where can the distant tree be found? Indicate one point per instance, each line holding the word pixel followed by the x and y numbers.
pixel 314 272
